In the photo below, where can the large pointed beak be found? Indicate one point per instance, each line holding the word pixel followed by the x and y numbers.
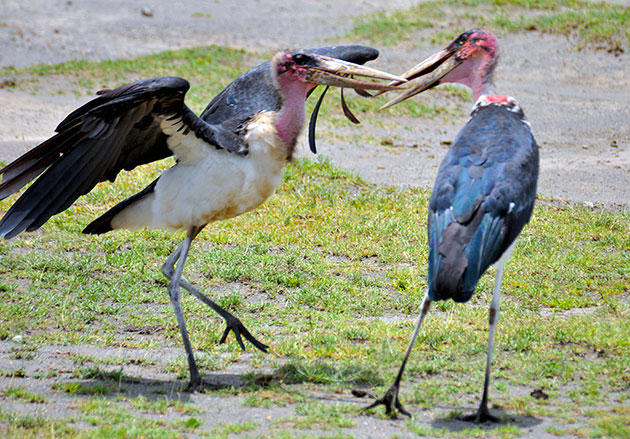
pixel 435 67
pixel 336 73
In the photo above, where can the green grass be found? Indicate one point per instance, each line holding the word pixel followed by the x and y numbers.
pixel 208 69
pixel 324 373
pixel 13 425
pixel 22 394
pixel 601 25
pixel 162 405
pixel 94 373
pixel 316 415
pixel 75 388
pixel 332 256
pixel 226 430
pixel 329 272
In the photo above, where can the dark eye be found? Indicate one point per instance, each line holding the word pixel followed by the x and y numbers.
pixel 300 57
pixel 462 39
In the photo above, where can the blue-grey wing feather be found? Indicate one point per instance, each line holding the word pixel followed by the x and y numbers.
pixel 483 196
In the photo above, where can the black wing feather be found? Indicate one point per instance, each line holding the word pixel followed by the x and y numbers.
pixel 120 129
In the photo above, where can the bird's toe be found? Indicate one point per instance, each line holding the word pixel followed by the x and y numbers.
pixel 233 324
pixel 391 403
pixel 194 385
pixel 480 417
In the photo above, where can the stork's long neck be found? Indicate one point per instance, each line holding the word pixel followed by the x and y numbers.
pixel 290 118
pixel 483 82
pixel 487 83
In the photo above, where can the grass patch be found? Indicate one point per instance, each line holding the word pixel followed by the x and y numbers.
pixel 16 426
pixel 114 419
pixel 208 69
pixel 75 388
pixel 315 415
pixel 601 25
pixel 22 394
pixel 16 373
pixel 162 405
pixel 273 396
pixel 341 265
pixel 226 430
pixel 95 373
pixel 320 372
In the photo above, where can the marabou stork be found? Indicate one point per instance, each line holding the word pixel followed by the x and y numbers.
pixel 229 159
pixel 484 192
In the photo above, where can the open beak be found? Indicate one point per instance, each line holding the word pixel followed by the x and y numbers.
pixel 432 69
pixel 336 73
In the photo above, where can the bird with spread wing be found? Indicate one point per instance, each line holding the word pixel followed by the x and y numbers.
pixel 229 159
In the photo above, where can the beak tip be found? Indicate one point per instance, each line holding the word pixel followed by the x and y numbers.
pixel 378 94
pixel 387 105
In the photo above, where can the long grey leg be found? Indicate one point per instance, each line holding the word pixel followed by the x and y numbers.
pixel 390 400
pixel 233 323
pixel 174 294
pixel 483 414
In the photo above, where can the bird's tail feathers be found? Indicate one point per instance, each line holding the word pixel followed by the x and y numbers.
pixel 103 223
pixel 448 262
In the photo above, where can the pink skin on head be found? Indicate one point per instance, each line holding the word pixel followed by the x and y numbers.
pixel 475 72
pixel 291 81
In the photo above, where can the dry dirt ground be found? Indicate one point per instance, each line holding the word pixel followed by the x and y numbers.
pixel 578 103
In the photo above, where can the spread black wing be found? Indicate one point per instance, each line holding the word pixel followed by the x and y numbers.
pixel 120 129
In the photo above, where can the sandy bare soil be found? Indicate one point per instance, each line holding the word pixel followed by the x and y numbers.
pixel 578 103
pixel 579 107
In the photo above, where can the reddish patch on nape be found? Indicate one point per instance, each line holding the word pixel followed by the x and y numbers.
pixel 500 99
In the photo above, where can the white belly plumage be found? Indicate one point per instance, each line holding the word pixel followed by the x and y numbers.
pixel 208 184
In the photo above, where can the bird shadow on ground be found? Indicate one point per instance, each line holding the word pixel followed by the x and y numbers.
pixel 133 387
pixel 456 424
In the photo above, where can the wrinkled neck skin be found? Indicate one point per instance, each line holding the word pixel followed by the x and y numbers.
pixel 477 73
pixel 292 114
pixel 487 79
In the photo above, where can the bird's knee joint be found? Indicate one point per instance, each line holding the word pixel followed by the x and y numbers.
pixel 493 315
pixel 167 271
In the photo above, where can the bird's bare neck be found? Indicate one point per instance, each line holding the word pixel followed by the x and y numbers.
pixel 485 88
pixel 292 114
pixel 486 79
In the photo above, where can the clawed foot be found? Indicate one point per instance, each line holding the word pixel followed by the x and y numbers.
pixel 234 324
pixel 391 403
pixel 482 415
pixel 194 385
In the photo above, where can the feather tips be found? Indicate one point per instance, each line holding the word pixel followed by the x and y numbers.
pixel 120 129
